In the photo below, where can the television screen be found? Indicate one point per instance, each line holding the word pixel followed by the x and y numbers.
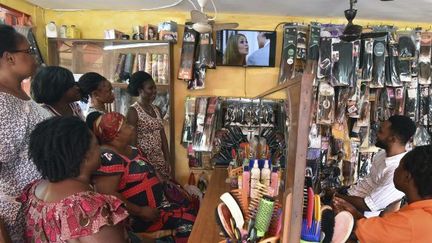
pixel 245 48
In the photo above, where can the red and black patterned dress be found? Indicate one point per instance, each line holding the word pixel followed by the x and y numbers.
pixel 140 185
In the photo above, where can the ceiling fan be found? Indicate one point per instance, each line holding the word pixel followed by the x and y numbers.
pixel 352 31
pixel 203 23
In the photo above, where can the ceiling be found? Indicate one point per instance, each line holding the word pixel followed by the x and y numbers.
pixel 402 10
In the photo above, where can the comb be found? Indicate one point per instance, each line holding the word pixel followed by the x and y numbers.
pixel 242 198
pixel 261 190
pixel 276 222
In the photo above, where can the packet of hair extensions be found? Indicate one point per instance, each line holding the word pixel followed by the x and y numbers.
pixel 141 61
pixel 392 62
pixel 154 71
pixel 148 64
pixel 391 100
pixel 421 137
pixel 207 51
pixel 326 104
pixel 289 53
pixel 118 74
pixel 356 71
pixel 190 37
pixel 301 42
pixel 424 61
pixel 201 107
pixel 349 167
pixel 366 62
pixel 198 81
pixel 399 101
pixel 361 133
pixel 424 105
pixel 353 108
pixel 313 50
pixel 342 63
pixel 189 122
pixel 379 57
pixel 324 61
pixel 414 63
pixel 209 126
pixel 407 45
pixel 342 94
pixel 365 164
pixel 411 103
pixel 364 114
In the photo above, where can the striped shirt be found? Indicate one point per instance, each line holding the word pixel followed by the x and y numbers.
pixel 377 188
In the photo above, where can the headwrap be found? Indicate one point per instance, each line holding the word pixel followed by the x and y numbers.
pixel 107 126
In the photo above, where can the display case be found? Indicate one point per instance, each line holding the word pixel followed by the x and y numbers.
pixel 117 60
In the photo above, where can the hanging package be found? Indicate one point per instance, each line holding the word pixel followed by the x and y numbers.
pixel 207 51
pixel 342 63
pixel 326 104
pixel 313 51
pixel 289 53
pixel 341 103
pixel 411 103
pixel 188 53
pixel 367 59
pixel 399 101
pixel 189 122
pixel 324 62
pixel 407 46
pixel 364 107
pixel 301 48
pixel 424 61
pixel 421 137
pixel 424 105
pixel 392 69
pixel 379 57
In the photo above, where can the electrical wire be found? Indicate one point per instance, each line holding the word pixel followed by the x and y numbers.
pixel 166 6
pixel 215 10
pixel 280 25
pixel 193 4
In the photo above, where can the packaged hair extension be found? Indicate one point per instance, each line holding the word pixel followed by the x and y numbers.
pixel 189 122
pixel 424 61
pixel 341 103
pixel 366 62
pixel 411 103
pixel 326 104
pixel 424 105
pixel 391 100
pixel 407 45
pixel 118 74
pixel 342 63
pixel 356 71
pixel 365 164
pixel 198 81
pixel 379 57
pixel 207 55
pixel 383 106
pixel 141 57
pixel 324 62
pixel 364 114
pixel 405 73
pixel 187 57
pixel 354 101
pixel 154 71
pixel 201 108
pixel 400 101
pixel 421 137
pixel 313 51
pixel 349 167
pixel 289 53
pixel 373 100
pixel 392 72
pixel 301 42
pixel 414 63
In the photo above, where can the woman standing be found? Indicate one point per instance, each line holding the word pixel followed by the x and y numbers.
pixel 146 118
pixel 19 116
pixel 98 90
pixel 56 89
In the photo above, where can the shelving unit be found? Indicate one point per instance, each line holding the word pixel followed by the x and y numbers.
pixel 101 56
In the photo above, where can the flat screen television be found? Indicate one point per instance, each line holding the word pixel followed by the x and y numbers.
pixel 250 48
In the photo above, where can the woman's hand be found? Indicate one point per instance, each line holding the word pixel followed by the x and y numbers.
pixel 340 204
pixel 149 214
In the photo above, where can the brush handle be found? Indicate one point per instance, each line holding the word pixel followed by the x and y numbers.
pixel 310 207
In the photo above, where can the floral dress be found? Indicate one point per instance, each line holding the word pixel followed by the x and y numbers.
pixel 149 139
pixel 17 120
pixel 79 215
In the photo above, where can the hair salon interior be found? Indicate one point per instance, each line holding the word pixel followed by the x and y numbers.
pixel 215 121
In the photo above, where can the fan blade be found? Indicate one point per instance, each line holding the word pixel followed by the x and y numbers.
pixel 198 17
pixel 225 26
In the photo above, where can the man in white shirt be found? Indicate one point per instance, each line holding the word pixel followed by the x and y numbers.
pixel 261 56
pixel 376 191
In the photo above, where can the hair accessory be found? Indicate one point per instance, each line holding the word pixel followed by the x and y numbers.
pixel 234 208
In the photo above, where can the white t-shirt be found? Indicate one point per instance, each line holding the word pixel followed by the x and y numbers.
pixel 377 188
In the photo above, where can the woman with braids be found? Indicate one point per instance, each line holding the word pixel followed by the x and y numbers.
pixel 413 222
pixel 56 89
pixel 128 174
pixel 63 206
pixel 98 90
pixel 18 117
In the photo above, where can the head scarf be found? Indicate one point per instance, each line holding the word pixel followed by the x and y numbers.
pixel 107 126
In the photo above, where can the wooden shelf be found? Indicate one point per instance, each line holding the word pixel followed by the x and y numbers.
pixel 124 85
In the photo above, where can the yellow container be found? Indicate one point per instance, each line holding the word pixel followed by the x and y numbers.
pixel 73 32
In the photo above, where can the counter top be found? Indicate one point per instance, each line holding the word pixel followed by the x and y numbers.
pixel 205 228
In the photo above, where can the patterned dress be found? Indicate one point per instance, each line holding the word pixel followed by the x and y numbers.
pixel 140 185
pixel 78 215
pixel 17 119
pixel 76 110
pixel 149 139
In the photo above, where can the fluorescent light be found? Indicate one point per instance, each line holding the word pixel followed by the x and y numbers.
pixel 135 45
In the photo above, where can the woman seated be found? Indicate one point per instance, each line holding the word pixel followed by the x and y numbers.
pixel 63 207
pixel 56 89
pixel 127 174
pixel 98 90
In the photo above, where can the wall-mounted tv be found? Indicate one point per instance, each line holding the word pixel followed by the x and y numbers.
pixel 254 48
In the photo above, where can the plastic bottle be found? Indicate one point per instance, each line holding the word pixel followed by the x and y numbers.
pixel 63 31
pixel 246 180
pixel 275 181
pixel 265 174
pixel 51 30
pixel 255 178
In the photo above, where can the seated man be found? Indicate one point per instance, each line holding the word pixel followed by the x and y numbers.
pixel 412 223
pixel 376 191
